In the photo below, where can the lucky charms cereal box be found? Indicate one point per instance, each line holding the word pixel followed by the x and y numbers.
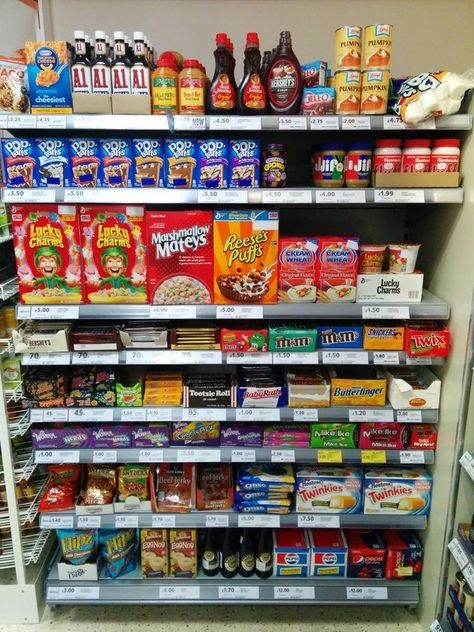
pixel 113 251
pixel 48 253
pixel 245 256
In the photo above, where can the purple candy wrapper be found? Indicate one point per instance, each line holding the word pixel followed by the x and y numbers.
pixel 110 437
pixel 52 438
pixel 195 433
pixel 151 436
pixel 243 435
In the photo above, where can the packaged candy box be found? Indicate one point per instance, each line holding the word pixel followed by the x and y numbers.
pixel 328 490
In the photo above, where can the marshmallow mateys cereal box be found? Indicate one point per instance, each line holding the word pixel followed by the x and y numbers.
pixel 48 253
pixel 113 250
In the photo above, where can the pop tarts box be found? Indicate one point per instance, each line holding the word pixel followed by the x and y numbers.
pixel 402 492
pixel 84 156
pixel 213 163
pixel 291 552
pixel 53 162
pixel 181 169
pixel 336 490
pixel 19 163
pixel 244 164
pixel 111 437
pixel 344 336
pixel 148 162
pixel 328 552
pixel 116 157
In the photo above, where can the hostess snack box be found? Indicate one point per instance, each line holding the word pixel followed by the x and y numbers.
pixel 116 156
pixel 383 336
pixel 52 155
pixel 244 338
pixel 244 164
pixel 308 387
pixel 334 435
pixel 338 261
pixel 213 163
pixel 291 553
pixel 328 552
pixel 404 555
pixel 383 435
pixel 48 77
pixel 339 336
pixel 181 170
pixel 20 164
pixel 327 489
pixel 403 492
pixel 426 339
pixel 180 257
pixel 245 256
pixel 357 386
pixel 48 253
pixel 113 250
pixel 366 554
pixel 187 433
pixel 291 336
pixel 297 259
pixel 148 162
pixel 84 156
pixel 409 387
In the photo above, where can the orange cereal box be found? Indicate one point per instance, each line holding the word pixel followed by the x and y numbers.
pixel 245 256
pixel 113 251
pixel 48 253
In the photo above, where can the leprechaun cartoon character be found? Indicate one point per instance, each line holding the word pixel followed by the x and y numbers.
pixel 114 263
pixel 48 263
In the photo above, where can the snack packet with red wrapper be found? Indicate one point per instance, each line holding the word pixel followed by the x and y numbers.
pixel 62 488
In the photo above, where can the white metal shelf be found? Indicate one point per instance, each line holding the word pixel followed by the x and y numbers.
pixel 13 394
pixel 467 462
pixel 33 546
pixel 5 238
pixel 20 424
pixel 8 289
pixel 27 512
pixel 24 465
pixel 463 558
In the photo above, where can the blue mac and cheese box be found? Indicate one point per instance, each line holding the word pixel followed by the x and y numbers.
pixel 84 156
pixel 181 169
pixel 53 162
pixel 244 164
pixel 148 162
pixel 116 157
pixel 48 77
pixel 340 336
pixel 213 163
pixel 19 163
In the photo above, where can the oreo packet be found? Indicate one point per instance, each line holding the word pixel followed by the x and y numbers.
pixel 119 549
pixel 54 169
pixel 78 546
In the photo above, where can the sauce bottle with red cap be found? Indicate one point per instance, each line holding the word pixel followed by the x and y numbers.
pixel 222 94
pixel 192 88
pixel 283 82
pixel 164 81
pixel 252 97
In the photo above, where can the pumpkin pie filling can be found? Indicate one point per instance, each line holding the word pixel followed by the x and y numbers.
pixel 377 46
pixel 348 48
pixel 374 91
pixel 348 91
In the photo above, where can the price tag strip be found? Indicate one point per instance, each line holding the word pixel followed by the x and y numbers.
pixel 286 196
pixel 89 522
pixel 324 122
pixel 345 357
pixel 399 196
pixel 162 521
pixel 409 416
pixel 286 357
pixel 305 414
pixel 399 312
pixel 198 456
pixel 283 456
pixel 57 456
pixel 344 196
pixel 238 357
pixel 369 593
pixel 56 522
pixel 159 414
pixel 257 414
pixel 239 311
pixel 217 520
pixel 180 592
pixel 292 123
pixel 126 521
pixel 153 455
pixel 294 592
pixel 314 520
pixel 204 414
pixel 258 520
pixel 243 456
pixel 373 456
pixel 95 357
pixel 54 312
pixel 239 592
pixel 329 456
pixel 30 195
pixel 222 196
pixel 173 311
pixel 104 456
pixel 356 122
pixel 458 553
pixel 412 456
pixel 390 358
pixel 436 626
pixel 71 593
pixel 468 464
pixel 90 414
pixel 44 359
pixel 367 414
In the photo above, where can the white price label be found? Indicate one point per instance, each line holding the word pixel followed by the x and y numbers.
pixel 386 357
pixel 239 311
pixel 59 312
pixel 133 414
pixel 200 357
pixel 189 455
pixel 356 122
pixel 55 415
pixel 222 196
pixel 57 359
pixel 126 521
pixel 86 121
pixel 292 123
pixel 247 123
pixel 286 196
pixel 159 414
pixel 29 195
pixel 401 312
pixel 23 312
pixel 293 592
pixel 104 456
pixel 243 456
pixel 217 520
pixel 3 121
pixel 394 122
pixel 15 195
pixel 399 196
pixel 51 122
pixel 220 122
pixel 56 522
pixel 367 414
pixel 95 357
pixel 140 356
pixel 466 460
pixel 283 456
pixel 237 357
pixel 204 414
pixel 91 414
pixel 409 416
pixel 436 626
pixel 287 357
pixel 180 592
pixel 36 415
pixel 152 455
pixel 315 520
pixel 173 311
pixel 22 121
pixel 324 122
pixel 239 592
pixel 419 361
pixel 369 593
pixel 305 414
pixel 89 522
pixel 344 196
pixel 57 456
pixel 468 573
pixel 412 456
pixel 345 357
pixel 257 414
pixel 66 593
pixel 185 123
pixel 458 553
pixel 259 520
pixel 76 195
pixel 162 521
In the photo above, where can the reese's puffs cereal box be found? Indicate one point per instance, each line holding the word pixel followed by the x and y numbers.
pixel 113 252
pixel 48 253
pixel 245 256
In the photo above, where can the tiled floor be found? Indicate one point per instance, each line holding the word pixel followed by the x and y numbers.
pixel 214 618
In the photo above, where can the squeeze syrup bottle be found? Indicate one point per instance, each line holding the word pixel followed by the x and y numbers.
pixel 252 97
pixel 284 83
pixel 164 81
pixel 222 94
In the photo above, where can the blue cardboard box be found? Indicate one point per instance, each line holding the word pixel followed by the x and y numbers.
pixel 181 165
pixel 328 552
pixel 343 336
pixel 116 157
pixel 244 164
pixel 84 156
pixel 20 165
pixel 291 553
pixel 54 168
pixel 48 77
pixel 213 163
pixel 148 162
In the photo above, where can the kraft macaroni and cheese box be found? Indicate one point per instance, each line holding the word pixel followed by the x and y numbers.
pixel 339 336
pixel 291 552
pixel 244 164
pixel 328 552
pixel 328 490
pixel 116 156
pixel 48 77
pixel 148 162
pixel 53 162
pixel 213 163
pixel 84 156
pixel 403 492
pixel 181 169
pixel 19 163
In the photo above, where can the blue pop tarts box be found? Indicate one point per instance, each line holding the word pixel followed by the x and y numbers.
pixel 340 336
pixel 54 168
pixel 116 157
pixel 181 168
pixel 213 163
pixel 149 160
pixel 244 164
pixel 20 165
pixel 84 157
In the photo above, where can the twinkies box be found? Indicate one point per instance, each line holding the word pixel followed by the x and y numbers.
pixel 116 169
pixel 366 554
pixel 20 164
pixel 84 156
pixel 148 162
pixel 181 169
pixel 402 492
pixel 383 336
pixel 389 288
pixel 213 163
pixel 54 169
pixel 291 553
pixel 339 336
pixel 357 386
pixel 408 388
pixel 328 489
pixel 404 555
pixel 328 552
pixel 48 77
pixel 338 261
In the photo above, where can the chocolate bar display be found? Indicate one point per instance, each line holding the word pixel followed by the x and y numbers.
pixel 249 337
pixel 340 336
pixel 44 387
pixel 92 337
pixel 292 336
pixel 209 390
pixel 189 337
pixel 142 334
pixel 163 388
pixel 37 337
pixel 261 387
pixel 308 387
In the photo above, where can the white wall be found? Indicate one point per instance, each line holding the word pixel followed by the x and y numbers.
pixel 17 24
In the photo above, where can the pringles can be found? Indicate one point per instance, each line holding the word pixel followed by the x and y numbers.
pixel 377 46
pixel 348 48
pixel 347 84
pixel 374 91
